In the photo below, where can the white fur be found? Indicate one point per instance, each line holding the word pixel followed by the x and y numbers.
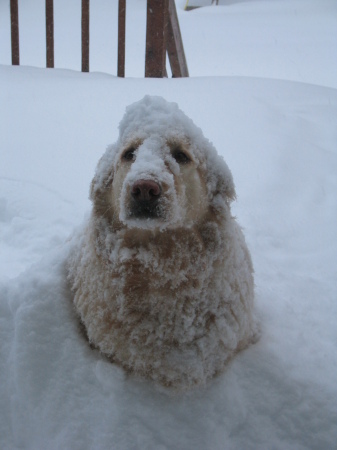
pixel 169 298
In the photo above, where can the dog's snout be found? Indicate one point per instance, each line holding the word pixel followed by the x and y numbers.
pixel 146 190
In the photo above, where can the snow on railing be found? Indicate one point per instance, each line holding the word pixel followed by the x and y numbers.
pixel 162 35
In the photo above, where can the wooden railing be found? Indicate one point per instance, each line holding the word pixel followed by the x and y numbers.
pixel 162 35
pixel 50 33
pixel 15 32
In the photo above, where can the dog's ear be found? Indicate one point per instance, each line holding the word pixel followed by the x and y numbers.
pixel 100 193
pixel 226 187
pixel 94 191
pixel 220 179
pixel 104 173
pixel 223 195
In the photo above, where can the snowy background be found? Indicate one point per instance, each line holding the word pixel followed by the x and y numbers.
pixel 263 88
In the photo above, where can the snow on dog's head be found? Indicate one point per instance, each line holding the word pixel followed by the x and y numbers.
pixel 162 172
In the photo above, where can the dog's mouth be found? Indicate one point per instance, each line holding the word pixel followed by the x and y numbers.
pixel 146 200
pixel 149 204
pixel 146 209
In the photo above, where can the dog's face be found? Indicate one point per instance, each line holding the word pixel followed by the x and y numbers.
pixel 158 183
pixel 158 175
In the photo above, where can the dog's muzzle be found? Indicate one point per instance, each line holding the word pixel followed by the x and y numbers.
pixel 145 200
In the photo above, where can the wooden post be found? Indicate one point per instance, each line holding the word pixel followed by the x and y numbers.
pixel 156 25
pixel 85 35
pixel 50 33
pixel 15 32
pixel 175 48
pixel 121 39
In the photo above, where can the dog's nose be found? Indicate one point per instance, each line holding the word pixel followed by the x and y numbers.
pixel 146 190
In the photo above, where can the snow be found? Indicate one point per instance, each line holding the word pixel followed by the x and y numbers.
pixel 263 89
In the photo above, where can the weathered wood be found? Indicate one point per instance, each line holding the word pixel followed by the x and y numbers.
pixel 175 48
pixel 156 27
pixel 50 33
pixel 85 35
pixel 162 33
pixel 121 39
pixel 15 32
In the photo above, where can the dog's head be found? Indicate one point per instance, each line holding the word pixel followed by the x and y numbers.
pixel 161 173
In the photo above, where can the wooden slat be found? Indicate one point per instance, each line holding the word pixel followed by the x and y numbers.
pixel 15 32
pixel 85 35
pixel 175 48
pixel 121 39
pixel 50 33
pixel 155 55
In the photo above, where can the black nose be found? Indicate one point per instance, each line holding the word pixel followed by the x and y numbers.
pixel 146 190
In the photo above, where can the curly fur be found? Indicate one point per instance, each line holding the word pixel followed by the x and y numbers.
pixel 169 298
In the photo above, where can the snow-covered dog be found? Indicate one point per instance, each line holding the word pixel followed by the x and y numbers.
pixel 161 274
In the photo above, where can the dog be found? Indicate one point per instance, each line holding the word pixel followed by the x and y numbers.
pixel 161 274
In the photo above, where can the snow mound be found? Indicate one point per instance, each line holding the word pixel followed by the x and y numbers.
pixel 57 392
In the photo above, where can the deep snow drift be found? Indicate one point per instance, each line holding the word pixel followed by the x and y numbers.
pixel 279 139
pixel 280 142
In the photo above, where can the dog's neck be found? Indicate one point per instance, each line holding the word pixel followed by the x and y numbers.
pixel 116 245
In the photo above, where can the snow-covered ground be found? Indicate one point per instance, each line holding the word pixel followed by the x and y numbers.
pixel 263 88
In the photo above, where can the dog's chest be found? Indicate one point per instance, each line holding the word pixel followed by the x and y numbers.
pixel 157 275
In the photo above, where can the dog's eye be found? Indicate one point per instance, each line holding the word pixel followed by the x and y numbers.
pixel 129 155
pixel 180 156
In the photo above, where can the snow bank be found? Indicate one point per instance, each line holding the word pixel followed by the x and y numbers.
pixel 56 392
pixel 279 139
